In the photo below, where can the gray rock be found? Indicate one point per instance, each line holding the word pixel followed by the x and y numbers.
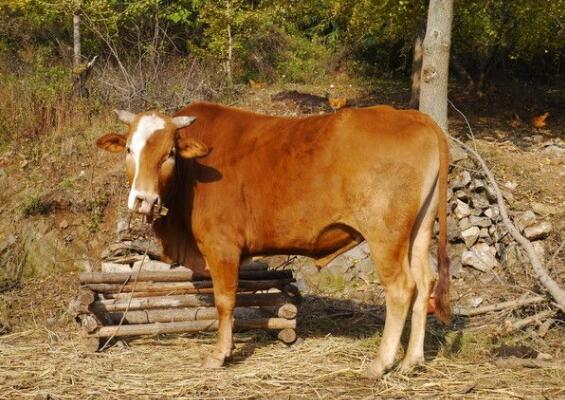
pixel 538 231
pixel 114 267
pixel 481 257
pixel 464 224
pixel 490 193
pixel 537 139
pixel 466 177
pixel 339 266
pixel 457 153
pixel 453 230
pixel 482 222
pixel 307 270
pixel 365 269
pixel 484 233
pixel 470 236
pixel 121 226
pixel 358 252
pixel 480 201
pixel 478 185
pixel 525 219
pixel 493 212
pixel 462 194
pixel 151 265
pixel 544 209
pixel 462 210
pixel 475 301
pixel 554 151
pixel 513 258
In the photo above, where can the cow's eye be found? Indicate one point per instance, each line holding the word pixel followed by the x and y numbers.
pixel 128 150
pixel 172 153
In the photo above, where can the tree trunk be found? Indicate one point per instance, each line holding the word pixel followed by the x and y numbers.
pixel 435 64
pixel 230 45
pixel 416 72
pixel 76 40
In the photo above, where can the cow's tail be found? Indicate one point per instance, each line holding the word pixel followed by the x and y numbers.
pixel 443 307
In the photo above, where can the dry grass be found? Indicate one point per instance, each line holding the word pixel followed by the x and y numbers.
pixel 44 358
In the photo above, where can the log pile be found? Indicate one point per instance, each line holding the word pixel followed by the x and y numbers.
pixel 134 295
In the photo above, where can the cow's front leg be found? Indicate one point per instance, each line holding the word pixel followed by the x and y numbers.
pixel 224 270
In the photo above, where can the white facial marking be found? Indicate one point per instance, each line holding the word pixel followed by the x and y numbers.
pixel 146 127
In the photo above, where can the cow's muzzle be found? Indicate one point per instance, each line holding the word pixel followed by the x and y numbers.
pixel 147 204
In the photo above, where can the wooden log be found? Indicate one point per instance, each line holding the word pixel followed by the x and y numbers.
pixel 173 276
pixel 254 266
pixel 287 311
pixel 287 335
pixel 188 287
pixel 137 294
pixel 190 326
pixel 195 300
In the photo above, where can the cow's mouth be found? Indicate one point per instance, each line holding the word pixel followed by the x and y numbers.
pixel 151 211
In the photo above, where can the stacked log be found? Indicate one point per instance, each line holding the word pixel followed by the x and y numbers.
pixel 130 302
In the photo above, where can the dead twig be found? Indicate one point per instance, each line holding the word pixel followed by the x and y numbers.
pixel 505 305
pixel 510 327
pixel 552 287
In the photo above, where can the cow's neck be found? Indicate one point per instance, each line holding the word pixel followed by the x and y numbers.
pixel 177 240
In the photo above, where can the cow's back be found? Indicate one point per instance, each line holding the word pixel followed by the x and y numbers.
pixel 284 183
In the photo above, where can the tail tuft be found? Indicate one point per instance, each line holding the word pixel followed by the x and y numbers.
pixel 443 306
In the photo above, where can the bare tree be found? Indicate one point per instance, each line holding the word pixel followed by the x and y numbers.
pixel 416 72
pixel 76 39
pixel 435 64
pixel 230 43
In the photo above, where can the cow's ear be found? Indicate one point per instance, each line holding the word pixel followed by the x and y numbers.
pixel 183 121
pixel 191 148
pixel 125 116
pixel 112 142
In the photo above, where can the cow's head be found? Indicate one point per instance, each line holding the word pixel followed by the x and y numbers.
pixel 152 145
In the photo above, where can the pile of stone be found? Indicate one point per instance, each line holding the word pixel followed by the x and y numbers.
pixel 478 237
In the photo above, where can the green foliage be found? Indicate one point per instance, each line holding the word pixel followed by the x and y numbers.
pixel 36 205
pixel 297 39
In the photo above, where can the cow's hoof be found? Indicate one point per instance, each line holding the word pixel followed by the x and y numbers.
pixel 212 362
pixel 408 365
pixel 376 369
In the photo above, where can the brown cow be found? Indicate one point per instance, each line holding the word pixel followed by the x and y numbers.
pixel 239 184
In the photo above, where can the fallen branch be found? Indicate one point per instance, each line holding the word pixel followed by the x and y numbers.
pixel 510 327
pixel 512 304
pixel 552 287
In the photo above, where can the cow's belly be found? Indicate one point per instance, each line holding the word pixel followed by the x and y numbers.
pixel 334 238
pixel 323 245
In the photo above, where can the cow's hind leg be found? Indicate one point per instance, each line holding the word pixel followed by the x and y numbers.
pixel 394 271
pixel 224 269
pixel 420 268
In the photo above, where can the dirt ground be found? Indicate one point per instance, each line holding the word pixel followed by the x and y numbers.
pixel 41 355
